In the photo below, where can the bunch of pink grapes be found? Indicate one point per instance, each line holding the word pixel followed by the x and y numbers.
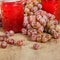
pixel 39 25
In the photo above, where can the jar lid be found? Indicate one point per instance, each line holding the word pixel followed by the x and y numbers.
pixel 10 0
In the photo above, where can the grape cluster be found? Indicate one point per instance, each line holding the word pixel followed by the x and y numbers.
pixel 39 25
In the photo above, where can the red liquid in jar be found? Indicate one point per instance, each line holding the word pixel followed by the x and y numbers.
pixel 52 6
pixel 12 16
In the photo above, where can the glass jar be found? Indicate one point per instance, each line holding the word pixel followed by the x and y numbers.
pixel 52 6
pixel 12 15
pixel 0 14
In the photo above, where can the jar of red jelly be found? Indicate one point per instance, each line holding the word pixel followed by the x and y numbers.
pixel 52 6
pixel 12 15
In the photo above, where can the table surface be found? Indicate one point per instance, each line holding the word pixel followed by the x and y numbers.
pixel 47 51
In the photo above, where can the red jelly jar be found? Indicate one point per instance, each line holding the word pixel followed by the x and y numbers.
pixel 52 6
pixel 12 15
